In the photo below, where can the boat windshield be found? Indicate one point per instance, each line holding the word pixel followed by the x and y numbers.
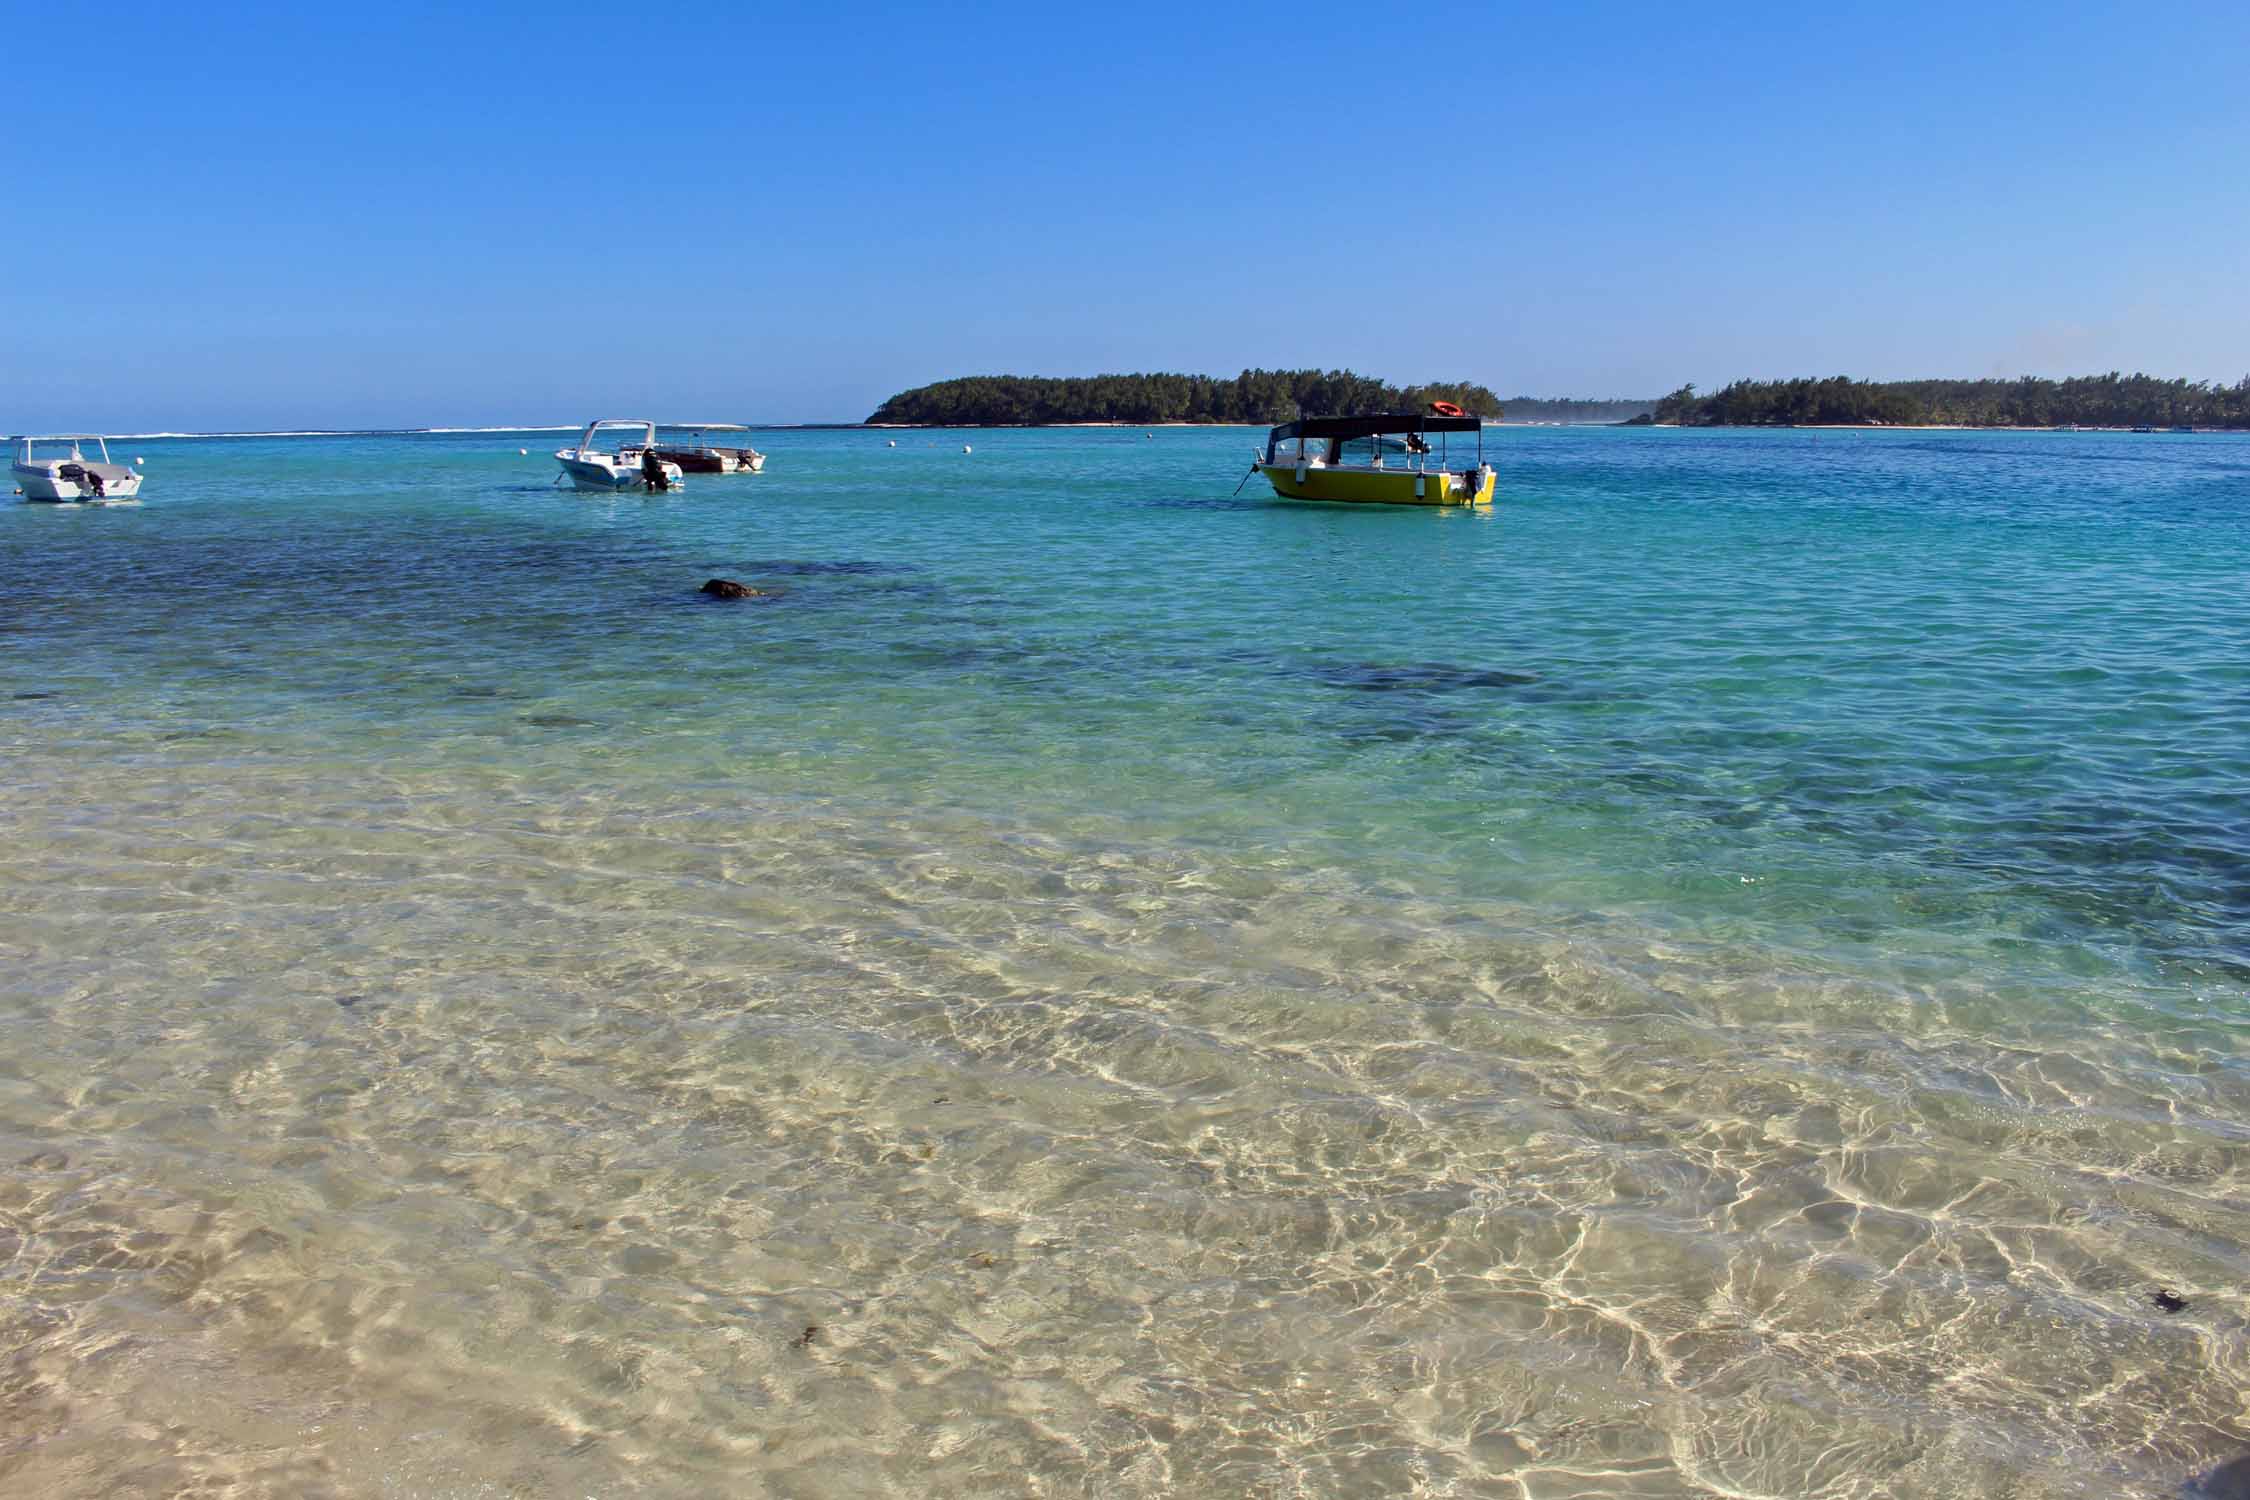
pixel 618 435
pixel 1408 440
pixel 69 449
pixel 1367 449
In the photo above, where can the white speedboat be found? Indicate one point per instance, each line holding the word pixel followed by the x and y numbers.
pixel 592 467
pixel 60 469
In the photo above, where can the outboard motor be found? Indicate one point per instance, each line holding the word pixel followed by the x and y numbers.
pixel 652 470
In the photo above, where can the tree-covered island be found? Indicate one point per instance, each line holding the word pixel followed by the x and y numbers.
pixel 1256 397
pixel 2111 400
pixel 1261 397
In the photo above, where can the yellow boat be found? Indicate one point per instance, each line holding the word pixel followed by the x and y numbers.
pixel 1382 459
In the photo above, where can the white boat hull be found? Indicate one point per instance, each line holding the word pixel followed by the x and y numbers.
pixel 592 474
pixel 48 484
pixel 607 471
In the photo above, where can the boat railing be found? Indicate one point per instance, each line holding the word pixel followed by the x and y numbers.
pixel 700 443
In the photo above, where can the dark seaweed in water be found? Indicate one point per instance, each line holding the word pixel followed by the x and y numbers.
pixel 1377 677
pixel 2176 882
pixel 1409 727
pixel 1416 677
pixel 1392 702
pixel 2229 1481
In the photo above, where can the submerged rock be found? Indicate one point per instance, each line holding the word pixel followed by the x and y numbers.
pixel 727 588
pixel 2168 1301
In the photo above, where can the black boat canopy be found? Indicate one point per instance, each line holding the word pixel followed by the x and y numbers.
pixel 1371 426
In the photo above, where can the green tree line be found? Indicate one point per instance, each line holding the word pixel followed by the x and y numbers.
pixel 1258 397
pixel 2112 400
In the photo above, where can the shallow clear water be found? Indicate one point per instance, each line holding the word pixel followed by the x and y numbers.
pixel 1724 976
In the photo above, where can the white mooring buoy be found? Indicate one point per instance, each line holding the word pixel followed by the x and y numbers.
pixel 523 451
pixel 965 448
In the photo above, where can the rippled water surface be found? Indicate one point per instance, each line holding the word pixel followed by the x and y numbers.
pixel 1722 977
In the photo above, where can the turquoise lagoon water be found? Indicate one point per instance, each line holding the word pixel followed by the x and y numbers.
pixel 1723 976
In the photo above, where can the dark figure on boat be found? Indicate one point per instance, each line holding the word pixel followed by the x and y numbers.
pixel 652 470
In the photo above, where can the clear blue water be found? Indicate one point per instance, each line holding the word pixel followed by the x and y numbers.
pixel 1891 780
pixel 1971 698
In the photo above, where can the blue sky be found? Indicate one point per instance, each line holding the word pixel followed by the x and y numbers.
pixel 267 217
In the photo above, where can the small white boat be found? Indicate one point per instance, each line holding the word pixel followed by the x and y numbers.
pixel 591 467
pixel 58 469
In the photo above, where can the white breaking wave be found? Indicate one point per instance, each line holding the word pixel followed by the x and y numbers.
pixel 345 432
